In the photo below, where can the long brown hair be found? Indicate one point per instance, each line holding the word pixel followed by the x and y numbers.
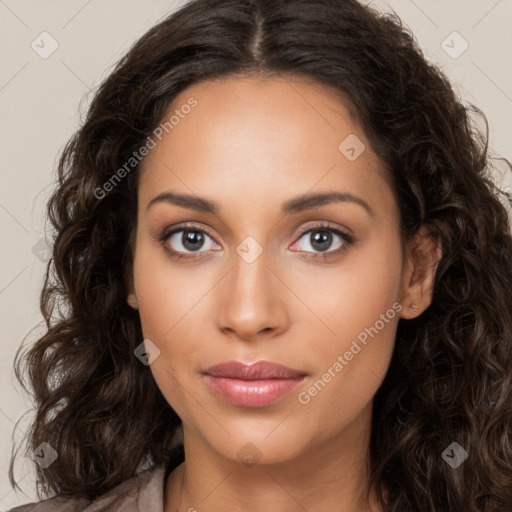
pixel 450 375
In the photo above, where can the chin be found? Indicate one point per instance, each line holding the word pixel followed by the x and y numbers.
pixel 256 446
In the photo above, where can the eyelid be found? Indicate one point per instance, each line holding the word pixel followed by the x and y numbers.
pixel 184 226
pixel 193 225
pixel 320 224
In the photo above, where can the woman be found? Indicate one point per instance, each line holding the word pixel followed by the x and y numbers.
pixel 281 278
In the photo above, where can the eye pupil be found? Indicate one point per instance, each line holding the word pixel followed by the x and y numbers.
pixel 321 240
pixel 190 239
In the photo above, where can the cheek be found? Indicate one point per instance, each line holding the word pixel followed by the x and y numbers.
pixel 170 314
pixel 165 319
pixel 166 293
pixel 171 309
pixel 353 295
pixel 359 304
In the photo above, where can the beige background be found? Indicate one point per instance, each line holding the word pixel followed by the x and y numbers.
pixel 39 101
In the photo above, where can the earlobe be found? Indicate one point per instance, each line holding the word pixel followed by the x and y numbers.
pixel 131 297
pixel 132 300
pixel 423 255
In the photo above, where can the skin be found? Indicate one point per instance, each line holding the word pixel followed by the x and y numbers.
pixel 251 144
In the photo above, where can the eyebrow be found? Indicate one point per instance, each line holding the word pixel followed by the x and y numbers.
pixel 294 205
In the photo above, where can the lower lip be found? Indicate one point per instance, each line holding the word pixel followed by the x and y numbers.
pixel 252 393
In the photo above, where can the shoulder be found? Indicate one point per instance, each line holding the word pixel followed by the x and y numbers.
pixel 53 504
pixel 144 491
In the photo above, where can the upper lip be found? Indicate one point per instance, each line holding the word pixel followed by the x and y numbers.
pixel 258 371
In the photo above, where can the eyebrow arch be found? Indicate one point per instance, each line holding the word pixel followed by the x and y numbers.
pixel 320 199
pixel 294 205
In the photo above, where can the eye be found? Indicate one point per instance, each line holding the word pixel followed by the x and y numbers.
pixel 321 238
pixel 183 242
pixel 191 242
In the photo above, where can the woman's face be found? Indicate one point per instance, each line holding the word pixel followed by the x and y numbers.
pixel 245 283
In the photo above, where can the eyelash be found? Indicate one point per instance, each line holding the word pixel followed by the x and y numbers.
pixel 347 239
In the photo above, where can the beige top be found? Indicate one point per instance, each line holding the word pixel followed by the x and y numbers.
pixel 141 493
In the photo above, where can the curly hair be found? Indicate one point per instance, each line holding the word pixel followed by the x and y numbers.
pixel 450 377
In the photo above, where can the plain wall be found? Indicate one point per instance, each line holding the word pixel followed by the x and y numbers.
pixel 40 99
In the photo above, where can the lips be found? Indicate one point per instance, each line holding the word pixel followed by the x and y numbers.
pixel 253 385
pixel 261 370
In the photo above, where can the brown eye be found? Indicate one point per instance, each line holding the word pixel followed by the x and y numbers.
pixel 188 242
pixel 323 241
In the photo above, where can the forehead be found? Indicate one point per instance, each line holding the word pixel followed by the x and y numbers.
pixel 249 141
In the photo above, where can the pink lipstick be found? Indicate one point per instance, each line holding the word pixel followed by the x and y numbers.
pixel 253 385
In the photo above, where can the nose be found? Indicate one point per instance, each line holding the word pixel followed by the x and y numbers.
pixel 252 301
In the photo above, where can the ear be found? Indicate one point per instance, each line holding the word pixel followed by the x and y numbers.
pixel 423 254
pixel 131 297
